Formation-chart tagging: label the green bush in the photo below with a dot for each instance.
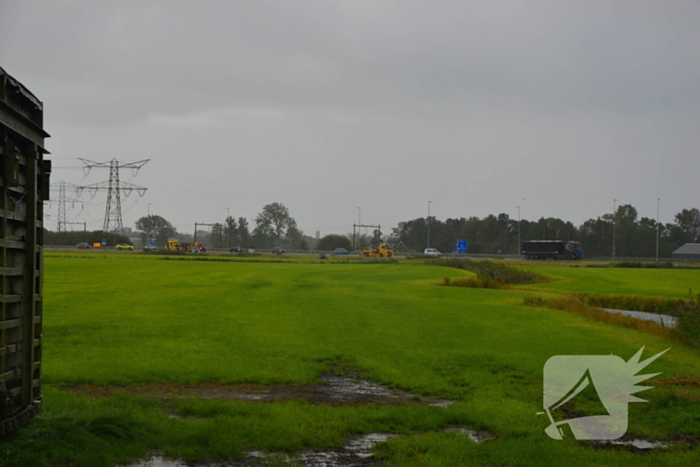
(688, 328)
(639, 264)
(491, 271)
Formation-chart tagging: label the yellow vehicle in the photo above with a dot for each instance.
(173, 245)
(193, 247)
(385, 249)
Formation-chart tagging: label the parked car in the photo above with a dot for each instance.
(235, 249)
(150, 248)
(340, 251)
(278, 251)
(84, 246)
(123, 246)
(432, 252)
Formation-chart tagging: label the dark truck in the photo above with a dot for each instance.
(551, 249)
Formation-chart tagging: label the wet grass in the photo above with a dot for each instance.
(119, 320)
(666, 283)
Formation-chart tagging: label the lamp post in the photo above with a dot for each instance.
(429, 202)
(658, 201)
(613, 220)
(359, 223)
(228, 228)
(148, 238)
(518, 246)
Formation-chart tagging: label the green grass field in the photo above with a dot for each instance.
(672, 283)
(119, 320)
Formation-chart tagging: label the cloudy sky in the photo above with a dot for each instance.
(327, 106)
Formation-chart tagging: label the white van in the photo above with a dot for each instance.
(432, 252)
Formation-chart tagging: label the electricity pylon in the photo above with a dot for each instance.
(113, 209)
(62, 203)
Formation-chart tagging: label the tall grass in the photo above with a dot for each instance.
(688, 329)
(490, 274)
(631, 302)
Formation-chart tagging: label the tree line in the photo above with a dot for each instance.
(274, 226)
(634, 237)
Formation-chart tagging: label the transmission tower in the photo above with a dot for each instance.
(62, 199)
(114, 188)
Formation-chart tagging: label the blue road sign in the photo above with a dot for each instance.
(461, 246)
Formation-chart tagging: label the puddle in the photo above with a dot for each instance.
(642, 443)
(348, 390)
(666, 320)
(157, 461)
(477, 436)
(331, 389)
(633, 444)
(356, 452)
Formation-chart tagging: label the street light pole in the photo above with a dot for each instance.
(658, 201)
(148, 238)
(613, 220)
(518, 246)
(428, 224)
(228, 228)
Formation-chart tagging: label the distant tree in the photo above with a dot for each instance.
(272, 223)
(243, 235)
(216, 237)
(230, 232)
(333, 241)
(293, 237)
(626, 214)
(596, 235)
(376, 237)
(687, 226)
(155, 229)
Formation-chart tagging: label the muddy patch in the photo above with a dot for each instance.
(356, 452)
(331, 389)
(683, 380)
(641, 445)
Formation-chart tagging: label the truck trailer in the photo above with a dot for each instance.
(551, 249)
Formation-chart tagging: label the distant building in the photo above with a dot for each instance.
(688, 251)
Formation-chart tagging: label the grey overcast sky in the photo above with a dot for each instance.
(326, 106)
